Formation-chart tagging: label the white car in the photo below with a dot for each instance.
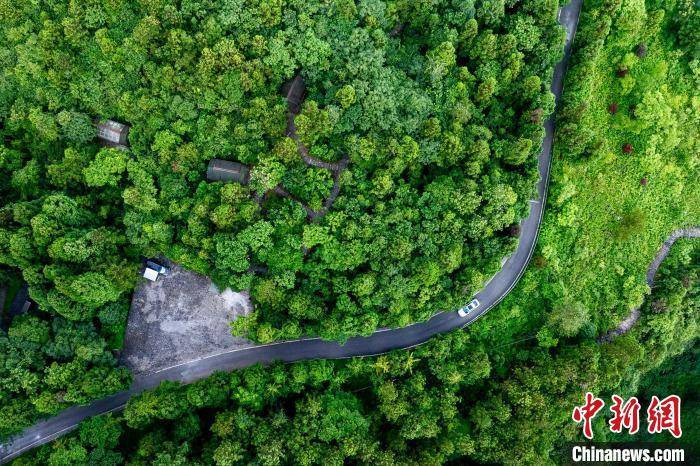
(463, 312)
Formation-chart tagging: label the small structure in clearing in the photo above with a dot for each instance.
(21, 302)
(113, 134)
(181, 319)
(224, 170)
(294, 91)
(154, 270)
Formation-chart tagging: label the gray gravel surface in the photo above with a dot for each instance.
(179, 318)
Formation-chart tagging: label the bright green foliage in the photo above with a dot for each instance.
(513, 378)
(567, 318)
(610, 210)
(106, 168)
(430, 103)
(458, 397)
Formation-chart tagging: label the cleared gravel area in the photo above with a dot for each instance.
(180, 318)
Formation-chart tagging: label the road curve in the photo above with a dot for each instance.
(631, 319)
(379, 342)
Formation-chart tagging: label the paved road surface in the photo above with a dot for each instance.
(631, 319)
(381, 341)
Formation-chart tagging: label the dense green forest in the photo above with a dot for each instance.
(461, 395)
(513, 377)
(437, 106)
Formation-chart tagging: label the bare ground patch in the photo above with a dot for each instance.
(180, 318)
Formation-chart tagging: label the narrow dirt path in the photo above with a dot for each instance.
(304, 151)
(295, 97)
(633, 317)
(280, 191)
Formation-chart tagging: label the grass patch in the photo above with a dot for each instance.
(625, 170)
(610, 210)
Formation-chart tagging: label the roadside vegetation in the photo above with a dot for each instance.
(438, 108)
(462, 395)
(513, 377)
(627, 159)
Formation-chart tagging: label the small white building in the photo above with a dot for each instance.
(154, 270)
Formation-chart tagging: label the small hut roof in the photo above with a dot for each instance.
(294, 91)
(113, 133)
(224, 170)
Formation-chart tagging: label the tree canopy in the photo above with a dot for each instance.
(430, 103)
(459, 397)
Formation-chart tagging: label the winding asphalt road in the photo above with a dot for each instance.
(379, 342)
(631, 319)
